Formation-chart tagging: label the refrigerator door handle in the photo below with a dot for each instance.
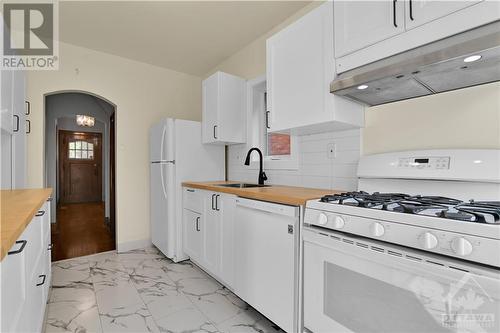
(163, 181)
(158, 162)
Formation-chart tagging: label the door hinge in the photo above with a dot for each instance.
(290, 229)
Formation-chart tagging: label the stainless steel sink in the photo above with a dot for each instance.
(243, 185)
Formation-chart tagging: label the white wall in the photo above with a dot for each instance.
(315, 170)
(142, 94)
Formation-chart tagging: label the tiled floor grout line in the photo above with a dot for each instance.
(95, 295)
(142, 298)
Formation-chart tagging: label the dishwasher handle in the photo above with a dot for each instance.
(270, 207)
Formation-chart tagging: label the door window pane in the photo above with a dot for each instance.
(81, 150)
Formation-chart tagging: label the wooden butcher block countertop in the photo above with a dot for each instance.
(18, 207)
(288, 195)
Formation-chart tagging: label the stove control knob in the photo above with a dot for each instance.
(377, 229)
(338, 222)
(461, 246)
(322, 219)
(428, 241)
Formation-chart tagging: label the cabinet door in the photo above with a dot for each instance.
(297, 75)
(359, 24)
(211, 233)
(6, 160)
(35, 305)
(13, 286)
(232, 109)
(210, 107)
(193, 226)
(419, 12)
(6, 100)
(19, 131)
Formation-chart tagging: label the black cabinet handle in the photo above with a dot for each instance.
(197, 224)
(17, 124)
(28, 122)
(394, 13)
(190, 190)
(28, 108)
(215, 128)
(217, 202)
(23, 244)
(213, 206)
(43, 276)
(411, 10)
(40, 213)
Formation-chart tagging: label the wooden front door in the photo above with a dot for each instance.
(80, 167)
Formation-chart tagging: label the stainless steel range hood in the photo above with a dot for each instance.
(426, 70)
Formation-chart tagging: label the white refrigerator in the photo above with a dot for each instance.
(177, 155)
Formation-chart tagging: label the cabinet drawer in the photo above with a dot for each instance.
(193, 200)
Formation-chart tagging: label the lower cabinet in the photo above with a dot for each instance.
(250, 246)
(208, 232)
(25, 277)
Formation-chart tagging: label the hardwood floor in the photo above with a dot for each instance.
(80, 230)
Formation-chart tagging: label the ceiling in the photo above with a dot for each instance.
(186, 36)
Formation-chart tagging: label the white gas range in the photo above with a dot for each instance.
(417, 249)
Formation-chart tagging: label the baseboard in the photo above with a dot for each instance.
(132, 245)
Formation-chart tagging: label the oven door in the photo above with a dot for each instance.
(359, 285)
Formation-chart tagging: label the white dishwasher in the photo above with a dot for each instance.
(266, 259)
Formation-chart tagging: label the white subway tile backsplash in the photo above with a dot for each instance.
(317, 168)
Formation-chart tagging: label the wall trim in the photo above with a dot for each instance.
(133, 245)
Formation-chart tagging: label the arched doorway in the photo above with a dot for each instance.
(80, 167)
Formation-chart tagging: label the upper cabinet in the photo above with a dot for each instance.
(419, 12)
(300, 67)
(366, 31)
(224, 109)
(362, 23)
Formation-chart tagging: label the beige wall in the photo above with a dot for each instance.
(250, 61)
(142, 94)
(465, 118)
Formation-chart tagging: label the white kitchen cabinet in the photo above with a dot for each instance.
(223, 109)
(367, 31)
(193, 234)
(19, 130)
(218, 242)
(208, 232)
(362, 23)
(13, 133)
(6, 101)
(300, 67)
(265, 252)
(419, 12)
(25, 277)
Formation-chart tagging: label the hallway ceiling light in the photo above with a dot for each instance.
(83, 120)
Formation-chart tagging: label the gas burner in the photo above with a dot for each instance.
(413, 206)
(448, 208)
(437, 200)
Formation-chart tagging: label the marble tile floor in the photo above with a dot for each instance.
(143, 291)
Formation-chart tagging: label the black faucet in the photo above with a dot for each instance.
(262, 174)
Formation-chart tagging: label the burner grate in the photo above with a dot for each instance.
(444, 207)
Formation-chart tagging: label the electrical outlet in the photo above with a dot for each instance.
(331, 150)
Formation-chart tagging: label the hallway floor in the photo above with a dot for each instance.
(80, 231)
(143, 291)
